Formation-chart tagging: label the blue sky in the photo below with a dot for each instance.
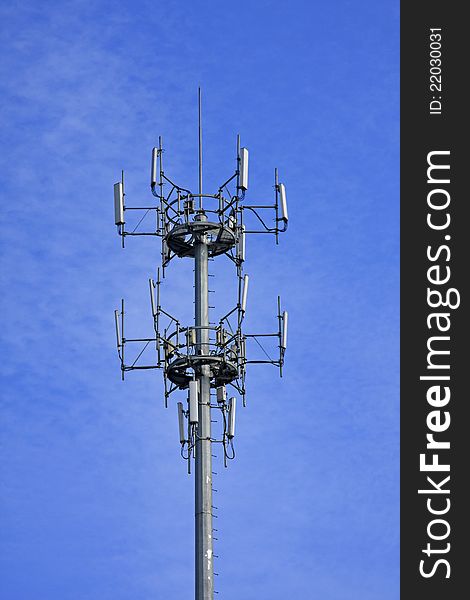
(96, 503)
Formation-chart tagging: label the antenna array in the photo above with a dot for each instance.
(202, 356)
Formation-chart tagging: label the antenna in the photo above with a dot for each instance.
(153, 171)
(152, 297)
(193, 402)
(243, 169)
(232, 405)
(202, 358)
(282, 193)
(181, 422)
(119, 203)
(245, 293)
(284, 330)
(118, 333)
(241, 244)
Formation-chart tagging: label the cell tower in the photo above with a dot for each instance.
(206, 358)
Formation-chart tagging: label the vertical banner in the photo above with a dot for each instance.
(435, 474)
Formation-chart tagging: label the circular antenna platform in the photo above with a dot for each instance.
(222, 370)
(181, 239)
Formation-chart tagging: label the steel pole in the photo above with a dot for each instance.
(203, 471)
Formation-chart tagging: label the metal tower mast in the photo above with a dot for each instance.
(204, 356)
(203, 450)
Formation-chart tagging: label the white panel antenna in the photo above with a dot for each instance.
(232, 405)
(244, 293)
(284, 330)
(243, 180)
(241, 244)
(193, 402)
(152, 297)
(181, 422)
(153, 172)
(118, 203)
(118, 333)
(282, 193)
